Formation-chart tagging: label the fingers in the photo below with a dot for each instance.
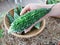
(26, 9)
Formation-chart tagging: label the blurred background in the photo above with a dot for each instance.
(5, 5)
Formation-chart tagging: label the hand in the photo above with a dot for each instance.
(55, 12)
(33, 6)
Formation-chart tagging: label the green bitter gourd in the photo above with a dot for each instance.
(26, 20)
(9, 16)
(17, 11)
(16, 15)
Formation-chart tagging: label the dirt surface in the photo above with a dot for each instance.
(50, 35)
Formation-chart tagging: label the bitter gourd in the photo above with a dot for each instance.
(9, 16)
(16, 15)
(17, 11)
(26, 20)
(19, 8)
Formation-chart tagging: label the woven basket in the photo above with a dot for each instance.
(32, 33)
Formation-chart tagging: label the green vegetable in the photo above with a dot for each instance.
(1, 33)
(19, 8)
(16, 15)
(26, 20)
(17, 11)
(11, 19)
(52, 1)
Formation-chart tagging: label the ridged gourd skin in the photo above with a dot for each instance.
(26, 20)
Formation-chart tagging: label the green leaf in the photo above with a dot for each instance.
(1, 33)
(37, 25)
